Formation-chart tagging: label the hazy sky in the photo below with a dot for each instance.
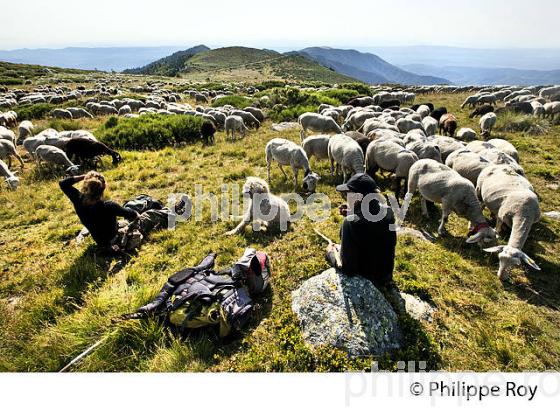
(280, 23)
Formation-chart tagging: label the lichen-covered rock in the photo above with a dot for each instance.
(417, 308)
(285, 126)
(346, 312)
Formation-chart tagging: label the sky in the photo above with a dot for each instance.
(280, 23)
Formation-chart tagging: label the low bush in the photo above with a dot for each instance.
(290, 113)
(342, 95)
(511, 122)
(237, 101)
(150, 131)
(34, 111)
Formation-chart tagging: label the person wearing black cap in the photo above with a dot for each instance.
(367, 243)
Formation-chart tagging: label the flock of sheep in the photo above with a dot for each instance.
(368, 134)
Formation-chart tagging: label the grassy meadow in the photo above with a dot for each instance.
(57, 298)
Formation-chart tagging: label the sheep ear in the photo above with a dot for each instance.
(529, 261)
(494, 249)
(475, 238)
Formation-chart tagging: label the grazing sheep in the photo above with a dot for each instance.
(425, 149)
(467, 163)
(430, 125)
(471, 101)
(207, 131)
(424, 111)
(235, 123)
(286, 152)
(548, 92)
(506, 147)
(61, 113)
(373, 124)
(31, 143)
(487, 122)
(263, 204)
(466, 134)
(56, 156)
(512, 200)
(499, 157)
(124, 110)
(347, 153)
(7, 134)
(248, 119)
(487, 99)
(9, 176)
(389, 156)
(257, 113)
(480, 111)
(317, 123)
(78, 112)
(25, 129)
(538, 109)
(8, 150)
(316, 146)
(447, 145)
(439, 183)
(406, 124)
(551, 109)
(8, 119)
(357, 119)
(82, 149)
(448, 124)
(438, 113)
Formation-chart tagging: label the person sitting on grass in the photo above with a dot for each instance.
(96, 214)
(367, 243)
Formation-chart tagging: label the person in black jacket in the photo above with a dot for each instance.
(97, 215)
(367, 243)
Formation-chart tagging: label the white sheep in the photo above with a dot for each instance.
(266, 210)
(423, 111)
(499, 157)
(387, 155)
(512, 200)
(487, 122)
(8, 150)
(430, 125)
(447, 145)
(551, 109)
(467, 163)
(25, 129)
(406, 124)
(235, 123)
(347, 153)
(316, 146)
(439, 183)
(56, 156)
(466, 134)
(10, 176)
(425, 149)
(506, 147)
(286, 152)
(31, 143)
(317, 123)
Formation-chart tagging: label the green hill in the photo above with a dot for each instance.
(240, 64)
(12, 74)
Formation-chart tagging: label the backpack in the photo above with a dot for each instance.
(199, 296)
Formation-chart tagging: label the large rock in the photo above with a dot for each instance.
(346, 312)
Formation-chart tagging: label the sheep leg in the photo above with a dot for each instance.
(283, 172)
(445, 211)
(332, 167)
(20, 160)
(295, 171)
(424, 207)
(268, 170)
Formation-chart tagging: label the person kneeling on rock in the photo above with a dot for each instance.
(367, 245)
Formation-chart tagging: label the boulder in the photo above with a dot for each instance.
(285, 126)
(346, 312)
(416, 307)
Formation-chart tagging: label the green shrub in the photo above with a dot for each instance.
(237, 101)
(340, 94)
(511, 122)
(150, 131)
(111, 122)
(34, 112)
(65, 125)
(10, 81)
(361, 88)
(291, 113)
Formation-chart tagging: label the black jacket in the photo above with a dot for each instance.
(367, 248)
(100, 218)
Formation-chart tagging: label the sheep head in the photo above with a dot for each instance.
(73, 170)
(255, 185)
(482, 234)
(13, 182)
(510, 257)
(310, 182)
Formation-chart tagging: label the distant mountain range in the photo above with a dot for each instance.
(368, 67)
(406, 65)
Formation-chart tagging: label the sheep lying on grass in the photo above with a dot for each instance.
(286, 152)
(511, 199)
(439, 183)
(266, 211)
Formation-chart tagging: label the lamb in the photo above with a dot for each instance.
(82, 149)
(9, 176)
(317, 123)
(512, 200)
(447, 145)
(466, 134)
(448, 124)
(7, 134)
(347, 153)
(467, 163)
(25, 130)
(480, 111)
(56, 156)
(487, 122)
(430, 125)
(235, 123)
(439, 183)
(316, 146)
(389, 156)
(8, 150)
(286, 152)
(266, 210)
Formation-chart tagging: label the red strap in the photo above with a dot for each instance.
(477, 228)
